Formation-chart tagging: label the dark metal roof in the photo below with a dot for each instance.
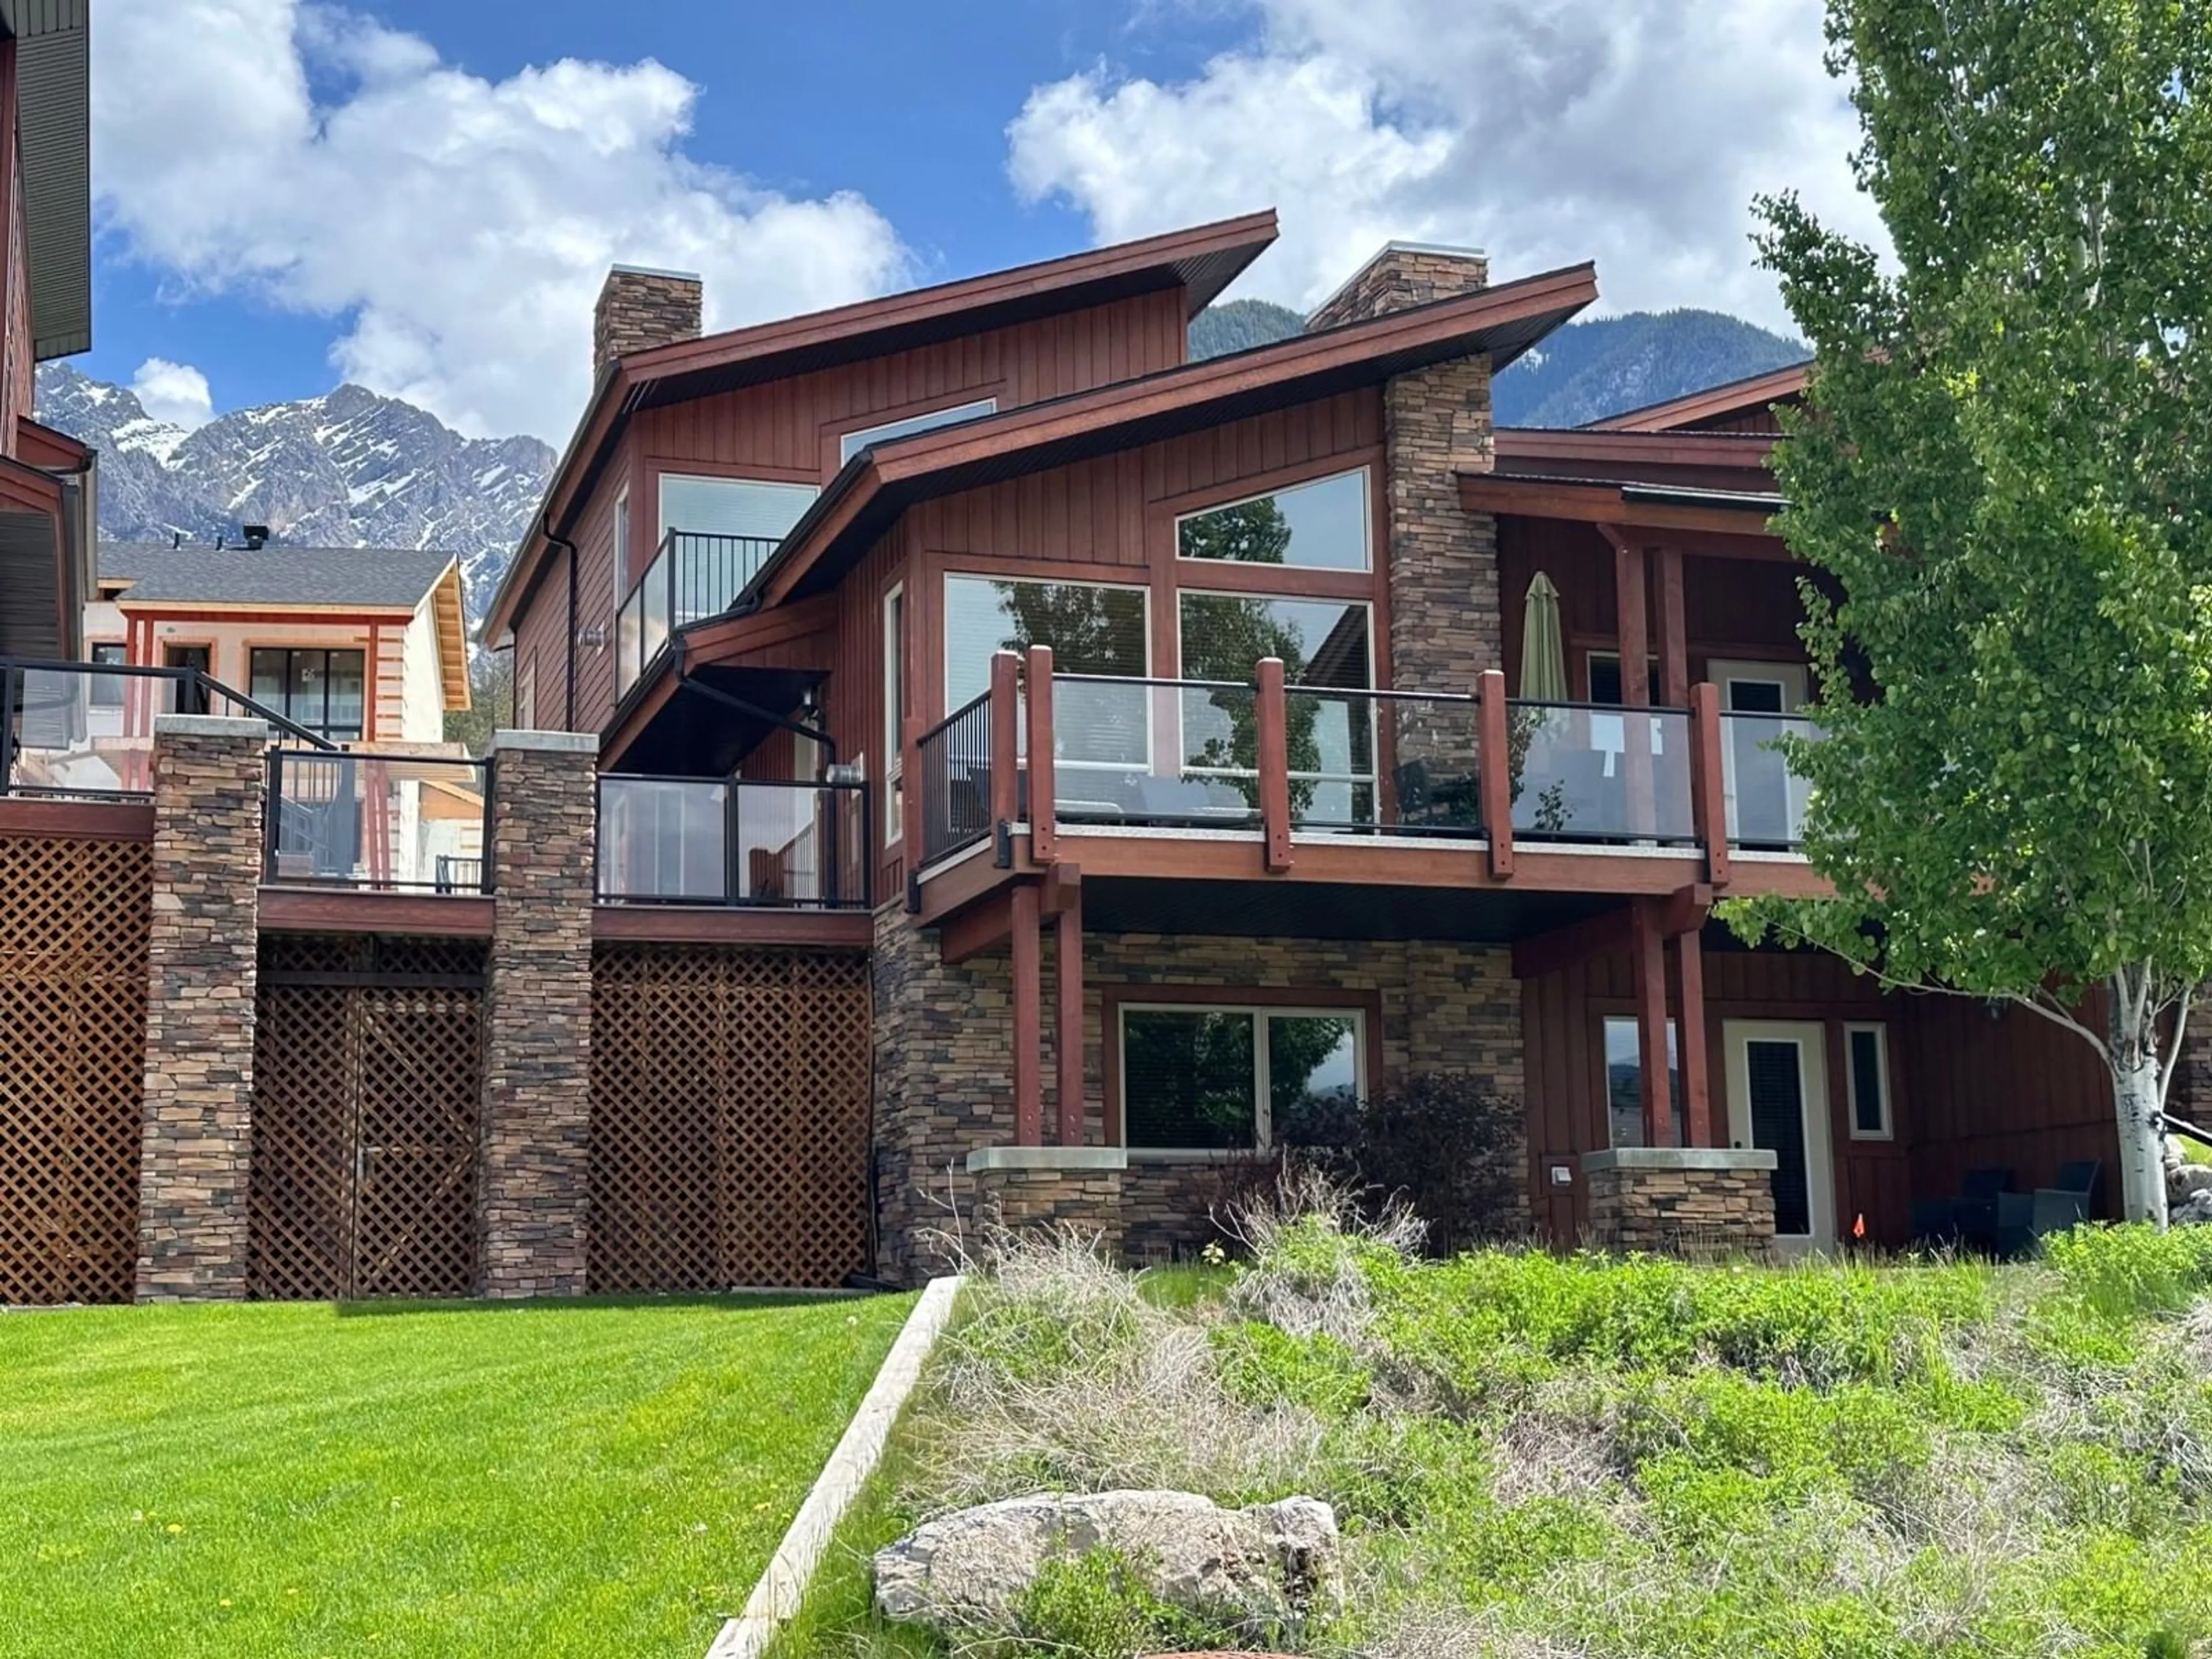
(53, 116)
(382, 578)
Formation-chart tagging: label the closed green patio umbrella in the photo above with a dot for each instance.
(1543, 647)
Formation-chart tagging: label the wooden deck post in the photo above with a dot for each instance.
(1271, 715)
(1708, 784)
(1674, 632)
(1005, 740)
(1689, 1035)
(1044, 829)
(1628, 579)
(1648, 957)
(1067, 951)
(1496, 764)
(1028, 1017)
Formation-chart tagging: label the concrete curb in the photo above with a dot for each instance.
(776, 1597)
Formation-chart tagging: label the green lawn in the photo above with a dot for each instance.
(545, 1479)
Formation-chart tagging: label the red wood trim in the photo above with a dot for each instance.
(1044, 839)
(152, 611)
(1635, 623)
(729, 640)
(43, 447)
(77, 820)
(372, 678)
(1497, 781)
(945, 892)
(440, 916)
(910, 791)
(978, 929)
(1707, 789)
(1674, 631)
(1754, 393)
(837, 929)
(1006, 741)
(1686, 909)
(1029, 1017)
(1696, 1090)
(1744, 529)
(1067, 953)
(1748, 451)
(1271, 719)
(1647, 957)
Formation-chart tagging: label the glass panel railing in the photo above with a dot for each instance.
(1767, 801)
(741, 841)
(1401, 762)
(397, 821)
(653, 607)
(1179, 753)
(85, 730)
(630, 642)
(1584, 772)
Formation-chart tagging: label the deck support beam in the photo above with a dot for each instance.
(1647, 960)
(1067, 961)
(1028, 1017)
(1689, 955)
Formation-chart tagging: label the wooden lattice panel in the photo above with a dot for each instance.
(730, 1093)
(74, 916)
(368, 1059)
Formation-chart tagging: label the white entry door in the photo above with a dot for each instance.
(1765, 799)
(1778, 1100)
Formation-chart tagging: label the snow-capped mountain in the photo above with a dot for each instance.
(348, 469)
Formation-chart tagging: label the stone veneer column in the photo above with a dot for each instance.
(1023, 1188)
(210, 781)
(532, 1184)
(639, 308)
(1682, 1201)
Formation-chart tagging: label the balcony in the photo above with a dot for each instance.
(1228, 781)
(378, 823)
(735, 843)
(693, 577)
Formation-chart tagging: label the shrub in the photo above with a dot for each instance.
(1096, 1604)
(2130, 1271)
(1438, 1145)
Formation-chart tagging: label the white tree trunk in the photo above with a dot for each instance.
(2140, 1100)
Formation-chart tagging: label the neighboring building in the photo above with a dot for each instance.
(47, 488)
(366, 646)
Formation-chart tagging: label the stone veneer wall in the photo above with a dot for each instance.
(201, 972)
(943, 1086)
(639, 310)
(1085, 1201)
(534, 1171)
(1678, 1202)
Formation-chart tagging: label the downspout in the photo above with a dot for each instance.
(568, 702)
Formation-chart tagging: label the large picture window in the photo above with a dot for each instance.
(322, 690)
(1205, 1078)
(1092, 629)
(1321, 526)
(1624, 1083)
(854, 442)
(1328, 662)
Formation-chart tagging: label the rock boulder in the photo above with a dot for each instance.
(968, 1572)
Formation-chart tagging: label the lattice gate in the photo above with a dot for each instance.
(730, 1094)
(368, 1067)
(75, 915)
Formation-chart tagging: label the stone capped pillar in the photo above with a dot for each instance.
(209, 782)
(1447, 624)
(1682, 1201)
(1024, 1188)
(532, 1184)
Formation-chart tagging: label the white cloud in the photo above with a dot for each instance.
(174, 392)
(1547, 131)
(458, 228)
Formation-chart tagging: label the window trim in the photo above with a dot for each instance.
(1880, 1029)
(1326, 1001)
(895, 673)
(984, 406)
(1366, 566)
(620, 533)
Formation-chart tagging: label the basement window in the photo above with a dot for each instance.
(1204, 1079)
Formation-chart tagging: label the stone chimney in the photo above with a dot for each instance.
(640, 309)
(1403, 274)
(1447, 624)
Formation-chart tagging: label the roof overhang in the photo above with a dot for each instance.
(1754, 391)
(450, 617)
(54, 119)
(132, 600)
(1739, 461)
(1661, 510)
(882, 482)
(1202, 261)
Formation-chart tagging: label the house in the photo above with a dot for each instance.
(1203, 753)
(46, 479)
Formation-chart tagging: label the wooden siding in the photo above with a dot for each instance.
(787, 431)
(1966, 1090)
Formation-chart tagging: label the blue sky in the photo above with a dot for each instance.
(421, 194)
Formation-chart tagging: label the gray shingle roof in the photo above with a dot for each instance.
(379, 576)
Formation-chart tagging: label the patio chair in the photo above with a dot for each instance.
(2025, 1218)
(1970, 1218)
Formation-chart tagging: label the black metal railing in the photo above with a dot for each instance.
(694, 576)
(752, 842)
(954, 757)
(85, 731)
(382, 822)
